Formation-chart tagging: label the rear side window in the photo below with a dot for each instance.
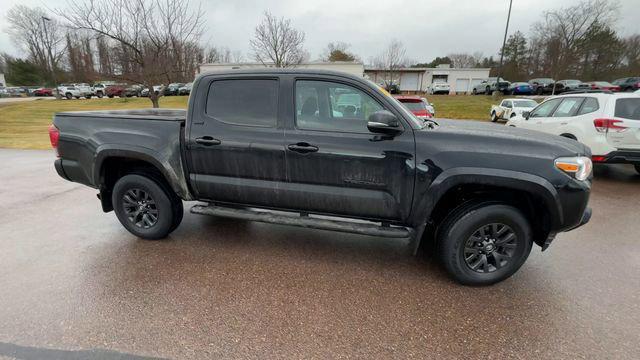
(590, 105)
(628, 108)
(568, 107)
(248, 102)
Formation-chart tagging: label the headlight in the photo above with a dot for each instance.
(579, 167)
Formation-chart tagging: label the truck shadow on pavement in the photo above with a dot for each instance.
(36, 353)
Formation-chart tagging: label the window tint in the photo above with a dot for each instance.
(628, 108)
(323, 105)
(568, 107)
(545, 109)
(590, 105)
(244, 102)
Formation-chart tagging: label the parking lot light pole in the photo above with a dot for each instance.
(504, 42)
(50, 57)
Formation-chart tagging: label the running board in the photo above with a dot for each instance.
(303, 221)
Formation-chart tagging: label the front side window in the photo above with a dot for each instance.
(329, 106)
(545, 109)
(248, 102)
(568, 107)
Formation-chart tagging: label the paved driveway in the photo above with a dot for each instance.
(75, 284)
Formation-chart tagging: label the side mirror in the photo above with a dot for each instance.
(383, 122)
(525, 114)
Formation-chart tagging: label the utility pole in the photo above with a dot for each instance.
(50, 56)
(504, 42)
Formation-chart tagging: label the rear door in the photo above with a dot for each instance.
(334, 164)
(235, 141)
(627, 111)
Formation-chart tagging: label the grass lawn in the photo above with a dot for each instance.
(23, 125)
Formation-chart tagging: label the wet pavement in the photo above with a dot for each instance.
(75, 284)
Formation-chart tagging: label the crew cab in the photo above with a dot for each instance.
(608, 123)
(509, 108)
(329, 150)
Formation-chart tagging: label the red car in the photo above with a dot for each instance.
(603, 85)
(114, 90)
(415, 104)
(43, 92)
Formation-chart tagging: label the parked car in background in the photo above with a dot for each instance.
(509, 108)
(628, 84)
(99, 89)
(542, 86)
(439, 88)
(603, 85)
(186, 89)
(115, 90)
(483, 195)
(520, 88)
(571, 85)
(172, 89)
(156, 88)
(608, 123)
(490, 85)
(69, 91)
(132, 90)
(415, 104)
(85, 90)
(43, 92)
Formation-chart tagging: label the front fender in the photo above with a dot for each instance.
(448, 179)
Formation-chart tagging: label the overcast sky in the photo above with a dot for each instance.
(427, 28)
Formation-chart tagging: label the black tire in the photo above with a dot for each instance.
(145, 207)
(539, 91)
(494, 118)
(457, 241)
(68, 96)
(99, 94)
(637, 168)
(475, 92)
(512, 115)
(487, 90)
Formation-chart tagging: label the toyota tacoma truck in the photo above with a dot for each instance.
(281, 146)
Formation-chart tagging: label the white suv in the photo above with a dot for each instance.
(608, 123)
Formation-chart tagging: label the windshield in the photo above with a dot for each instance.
(525, 103)
(414, 105)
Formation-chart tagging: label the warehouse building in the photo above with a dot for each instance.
(419, 80)
(354, 68)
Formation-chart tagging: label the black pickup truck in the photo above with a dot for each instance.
(331, 151)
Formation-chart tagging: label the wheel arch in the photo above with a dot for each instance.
(533, 195)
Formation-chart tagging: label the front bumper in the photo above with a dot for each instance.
(586, 216)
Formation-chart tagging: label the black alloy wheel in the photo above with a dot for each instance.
(490, 248)
(140, 208)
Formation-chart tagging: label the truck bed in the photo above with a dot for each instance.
(133, 114)
(89, 138)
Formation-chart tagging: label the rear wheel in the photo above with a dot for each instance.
(68, 96)
(487, 90)
(145, 207)
(484, 243)
(99, 94)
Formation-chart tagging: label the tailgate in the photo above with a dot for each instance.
(627, 115)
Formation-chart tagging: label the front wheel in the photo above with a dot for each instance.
(494, 117)
(485, 243)
(145, 207)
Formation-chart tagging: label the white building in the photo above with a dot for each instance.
(418, 80)
(3, 82)
(353, 68)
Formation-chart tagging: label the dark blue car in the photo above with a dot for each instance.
(520, 88)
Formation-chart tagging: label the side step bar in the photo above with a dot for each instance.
(303, 221)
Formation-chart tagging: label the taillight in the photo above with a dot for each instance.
(606, 125)
(598, 158)
(54, 137)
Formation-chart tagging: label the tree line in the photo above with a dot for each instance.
(160, 41)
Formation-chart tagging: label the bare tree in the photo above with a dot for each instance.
(277, 42)
(465, 60)
(154, 40)
(391, 59)
(44, 43)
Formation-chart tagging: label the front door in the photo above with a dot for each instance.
(235, 142)
(335, 165)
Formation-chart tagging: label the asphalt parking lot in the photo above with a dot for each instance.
(75, 284)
